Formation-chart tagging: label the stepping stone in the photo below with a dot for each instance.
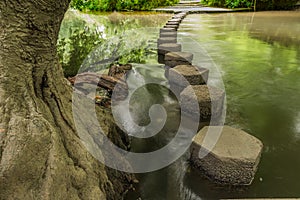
(168, 47)
(163, 49)
(185, 75)
(168, 34)
(182, 76)
(163, 30)
(175, 20)
(181, 14)
(173, 23)
(177, 14)
(173, 59)
(179, 18)
(232, 161)
(171, 26)
(209, 99)
(164, 40)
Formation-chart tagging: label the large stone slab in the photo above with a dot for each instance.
(209, 99)
(173, 23)
(234, 158)
(173, 59)
(182, 14)
(175, 20)
(172, 26)
(182, 76)
(163, 49)
(168, 34)
(163, 30)
(164, 40)
(185, 75)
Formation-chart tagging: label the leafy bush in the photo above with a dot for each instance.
(238, 3)
(82, 46)
(275, 4)
(219, 3)
(260, 4)
(119, 5)
(73, 50)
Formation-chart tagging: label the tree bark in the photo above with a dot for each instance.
(41, 156)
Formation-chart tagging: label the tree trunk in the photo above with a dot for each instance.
(41, 156)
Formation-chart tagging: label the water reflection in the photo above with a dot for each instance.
(259, 55)
(261, 74)
(112, 37)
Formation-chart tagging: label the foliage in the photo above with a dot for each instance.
(276, 4)
(120, 49)
(81, 46)
(238, 3)
(219, 3)
(73, 50)
(119, 5)
(134, 55)
(229, 3)
(260, 4)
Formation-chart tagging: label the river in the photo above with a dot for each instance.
(258, 58)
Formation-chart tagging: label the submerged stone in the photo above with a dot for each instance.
(233, 160)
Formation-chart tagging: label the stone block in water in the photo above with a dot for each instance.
(163, 30)
(209, 99)
(175, 20)
(178, 18)
(171, 26)
(164, 40)
(173, 59)
(182, 76)
(185, 75)
(183, 15)
(163, 49)
(232, 161)
(168, 34)
(173, 23)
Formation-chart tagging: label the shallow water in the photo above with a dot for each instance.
(258, 56)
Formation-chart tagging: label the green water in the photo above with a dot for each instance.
(258, 56)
